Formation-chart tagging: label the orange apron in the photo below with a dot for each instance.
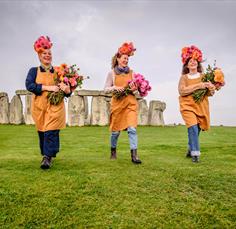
(195, 113)
(47, 116)
(124, 112)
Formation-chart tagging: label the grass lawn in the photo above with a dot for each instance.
(85, 189)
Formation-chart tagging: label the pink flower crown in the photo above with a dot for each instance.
(42, 43)
(191, 52)
(127, 49)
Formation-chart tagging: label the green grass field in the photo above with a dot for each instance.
(85, 189)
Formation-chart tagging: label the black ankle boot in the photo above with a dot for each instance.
(188, 154)
(46, 162)
(113, 154)
(134, 156)
(195, 159)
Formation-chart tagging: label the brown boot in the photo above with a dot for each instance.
(113, 154)
(134, 156)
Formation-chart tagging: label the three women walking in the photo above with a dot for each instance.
(50, 118)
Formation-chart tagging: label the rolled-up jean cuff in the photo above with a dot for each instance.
(195, 153)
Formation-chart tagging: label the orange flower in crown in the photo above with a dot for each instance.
(42, 43)
(127, 48)
(64, 65)
(191, 52)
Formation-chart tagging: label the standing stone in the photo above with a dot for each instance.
(99, 111)
(16, 110)
(4, 108)
(142, 112)
(76, 111)
(27, 115)
(155, 116)
(86, 108)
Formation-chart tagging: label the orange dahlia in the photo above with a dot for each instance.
(218, 76)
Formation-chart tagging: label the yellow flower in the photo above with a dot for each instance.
(61, 78)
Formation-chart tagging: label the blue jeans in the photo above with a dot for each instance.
(193, 140)
(133, 139)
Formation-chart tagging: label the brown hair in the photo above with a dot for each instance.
(114, 61)
(185, 69)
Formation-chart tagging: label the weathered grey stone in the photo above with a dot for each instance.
(23, 92)
(3, 94)
(142, 112)
(27, 114)
(98, 93)
(4, 108)
(16, 110)
(155, 114)
(99, 111)
(86, 108)
(90, 93)
(107, 95)
(108, 99)
(76, 111)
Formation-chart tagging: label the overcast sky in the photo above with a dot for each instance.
(88, 33)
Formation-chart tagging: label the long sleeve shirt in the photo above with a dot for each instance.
(109, 84)
(30, 82)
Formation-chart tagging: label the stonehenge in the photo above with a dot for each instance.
(78, 107)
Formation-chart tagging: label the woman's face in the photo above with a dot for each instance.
(192, 64)
(123, 61)
(45, 57)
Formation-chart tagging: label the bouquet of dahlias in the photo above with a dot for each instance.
(142, 86)
(213, 75)
(68, 75)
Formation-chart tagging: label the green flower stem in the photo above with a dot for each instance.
(199, 94)
(121, 94)
(56, 98)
